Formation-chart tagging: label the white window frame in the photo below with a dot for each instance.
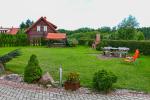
(45, 28)
(38, 28)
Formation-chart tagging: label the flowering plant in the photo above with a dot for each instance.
(73, 77)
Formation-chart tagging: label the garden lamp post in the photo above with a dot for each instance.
(60, 76)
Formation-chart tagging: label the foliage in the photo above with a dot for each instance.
(22, 25)
(7, 57)
(101, 45)
(143, 46)
(21, 31)
(87, 35)
(103, 81)
(73, 77)
(32, 72)
(129, 22)
(13, 40)
(127, 30)
(104, 29)
(80, 30)
(139, 36)
(85, 38)
(86, 41)
(146, 32)
(72, 42)
(26, 24)
(126, 33)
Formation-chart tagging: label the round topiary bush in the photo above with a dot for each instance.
(103, 81)
(32, 72)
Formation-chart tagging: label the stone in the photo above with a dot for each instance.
(13, 77)
(46, 79)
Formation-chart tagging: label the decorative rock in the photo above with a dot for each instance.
(46, 79)
(13, 77)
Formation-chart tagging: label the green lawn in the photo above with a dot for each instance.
(84, 61)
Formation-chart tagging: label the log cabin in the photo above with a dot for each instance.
(46, 30)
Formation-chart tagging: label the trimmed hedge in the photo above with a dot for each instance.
(87, 42)
(143, 46)
(7, 40)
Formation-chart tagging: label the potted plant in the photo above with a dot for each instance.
(72, 82)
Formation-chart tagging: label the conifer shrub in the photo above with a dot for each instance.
(103, 81)
(33, 71)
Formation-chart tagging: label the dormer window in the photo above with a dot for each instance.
(45, 28)
(38, 28)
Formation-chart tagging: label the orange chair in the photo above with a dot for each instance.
(132, 59)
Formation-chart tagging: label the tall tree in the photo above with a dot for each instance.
(126, 29)
(126, 33)
(26, 24)
(129, 22)
(22, 25)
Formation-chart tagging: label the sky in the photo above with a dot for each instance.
(73, 14)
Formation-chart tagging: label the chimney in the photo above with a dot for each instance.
(98, 37)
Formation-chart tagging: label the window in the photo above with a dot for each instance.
(38, 28)
(45, 28)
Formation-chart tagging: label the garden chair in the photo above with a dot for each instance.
(133, 58)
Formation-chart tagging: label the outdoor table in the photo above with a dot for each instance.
(123, 50)
(117, 52)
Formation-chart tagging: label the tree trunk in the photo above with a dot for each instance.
(2, 69)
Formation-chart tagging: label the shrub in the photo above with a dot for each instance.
(103, 81)
(143, 46)
(72, 42)
(32, 72)
(102, 44)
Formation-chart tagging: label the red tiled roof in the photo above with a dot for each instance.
(56, 36)
(47, 22)
(13, 31)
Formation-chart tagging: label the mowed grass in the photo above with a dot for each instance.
(84, 61)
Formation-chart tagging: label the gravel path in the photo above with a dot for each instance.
(21, 91)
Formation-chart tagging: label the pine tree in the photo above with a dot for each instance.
(32, 72)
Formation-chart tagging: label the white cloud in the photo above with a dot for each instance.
(72, 14)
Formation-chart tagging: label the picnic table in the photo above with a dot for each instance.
(115, 52)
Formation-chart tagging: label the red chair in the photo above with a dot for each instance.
(133, 58)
